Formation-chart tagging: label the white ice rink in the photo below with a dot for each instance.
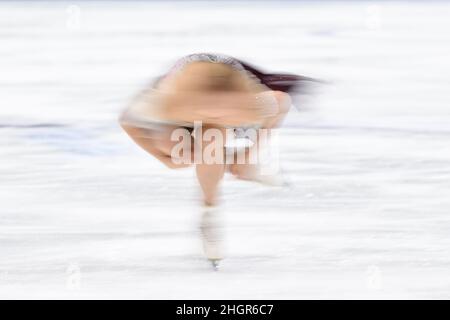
(84, 213)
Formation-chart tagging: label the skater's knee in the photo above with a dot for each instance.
(130, 130)
(284, 101)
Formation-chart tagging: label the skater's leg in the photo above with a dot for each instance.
(284, 104)
(249, 171)
(244, 171)
(157, 144)
(210, 175)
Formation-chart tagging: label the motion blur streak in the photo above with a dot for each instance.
(86, 214)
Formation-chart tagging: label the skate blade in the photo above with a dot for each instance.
(215, 264)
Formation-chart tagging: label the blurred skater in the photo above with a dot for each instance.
(228, 98)
(218, 91)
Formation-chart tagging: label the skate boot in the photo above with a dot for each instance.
(212, 234)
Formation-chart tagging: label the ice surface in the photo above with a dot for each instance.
(84, 213)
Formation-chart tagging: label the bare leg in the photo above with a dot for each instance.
(209, 177)
(245, 171)
(284, 104)
(157, 144)
(248, 171)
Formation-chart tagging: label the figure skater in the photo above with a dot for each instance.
(221, 93)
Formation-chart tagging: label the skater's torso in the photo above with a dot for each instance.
(194, 78)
